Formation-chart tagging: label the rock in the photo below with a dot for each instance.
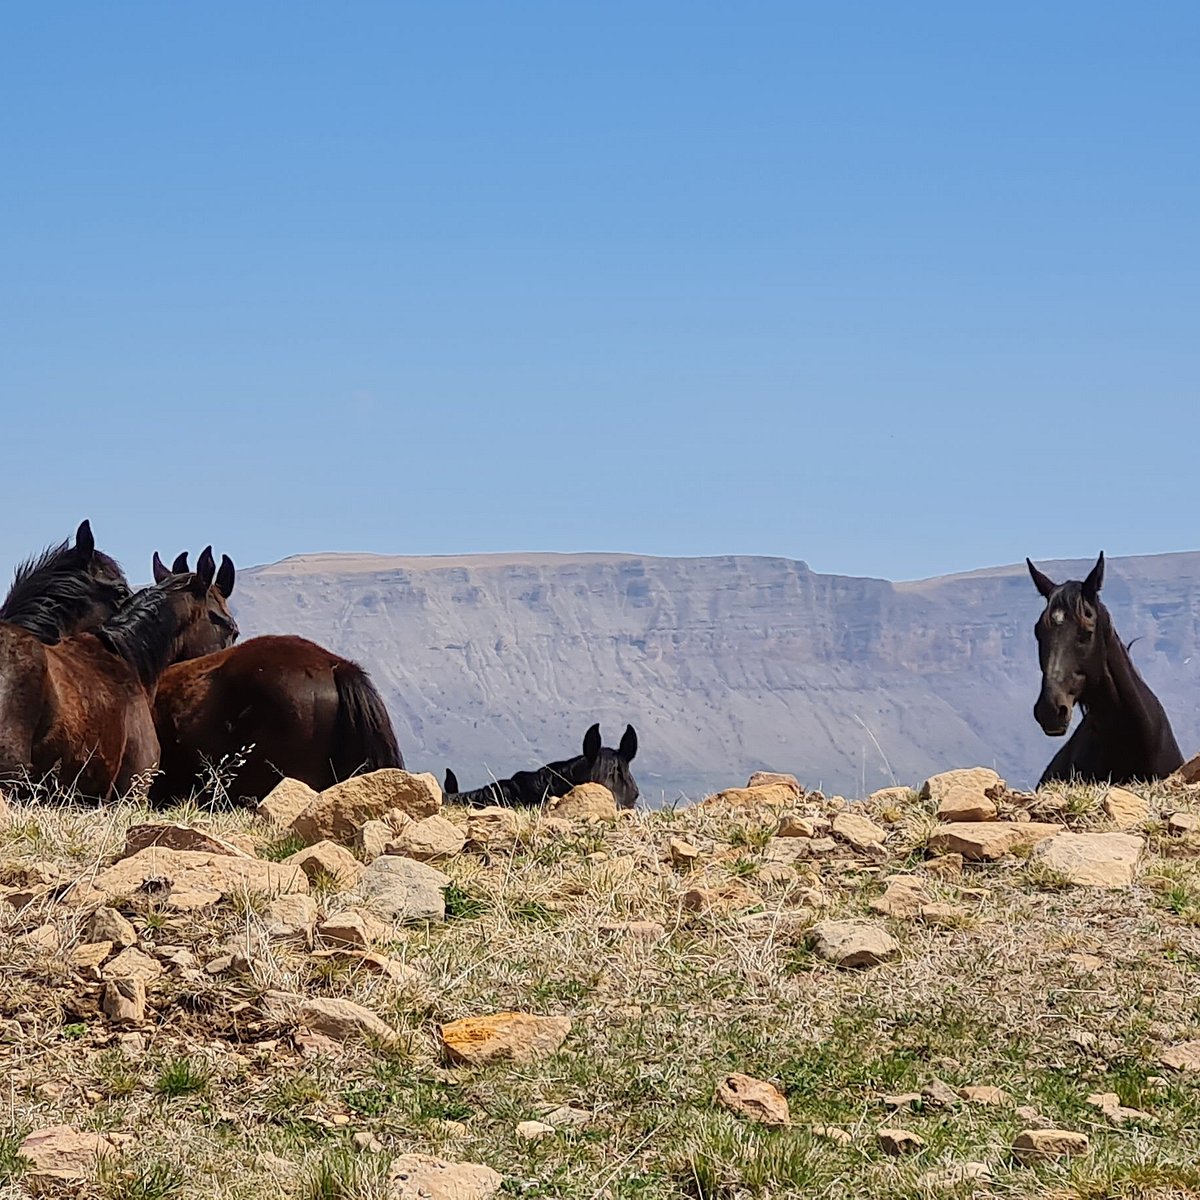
(649, 931)
(1102, 860)
(328, 862)
(493, 828)
(64, 1155)
(1125, 808)
(531, 1131)
(939, 1095)
(787, 851)
(984, 1094)
(131, 963)
(339, 812)
(587, 802)
(948, 866)
(903, 898)
(899, 1141)
(402, 889)
(772, 795)
(430, 839)
(45, 937)
(793, 825)
(1086, 962)
(166, 874)
(177, 837)
(374, 963)
(857, 831)
(831, 1133)
(988, 841)
(1038, 1145)
(1188, 773)
(776, 779)
(1182, 823)
(372, 839)
(682, 853)
(1109, 1103)
(346, 929)
(286, 801)
(974, 779)
(891, 797)
(107, 925)
(503, 1037)
(1184, 1057)
(944, 916)
(290, 917)
(754, 1099)
(901, 1100)
(343, 1020)
(420, 1177)
(125, 1001)
(88, 957)
(726, 897)
(965, 804)
(853, 943)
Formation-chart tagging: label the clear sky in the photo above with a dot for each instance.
(897, 289)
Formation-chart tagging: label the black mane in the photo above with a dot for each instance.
(51, 592)
(144, 631)
(530, 788)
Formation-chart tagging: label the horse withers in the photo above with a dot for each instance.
(597, 764)
(1125, 735)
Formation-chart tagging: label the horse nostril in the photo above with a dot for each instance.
(1063, 713)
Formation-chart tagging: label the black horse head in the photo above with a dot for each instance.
(1072, 645)
(611, 767)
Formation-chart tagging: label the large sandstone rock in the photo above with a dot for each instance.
(343, 1020)
(340, 811)
(420, 1177)
(107, 925)
(904, 898)
(330, 862)
(124, 1001)
(1038, 1145)
(492, 828)
(428, 840)
(974, 779)
(987, 841)
(725, 897)
(291, 917)
(61, 1154)
(1188, 773)
(771, 795)
(1125, 808)
(504, 1037)
(965, 804)
(165, 874)
(754, 1099)
(587, 802)
(1184, 1057)
(776, 779)
(853, 943)
(402, 889)
(286, 801)
(177, 837)
(1102, 860)
(858, 831)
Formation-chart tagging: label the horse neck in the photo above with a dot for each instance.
(146, 633)
(1120, 694)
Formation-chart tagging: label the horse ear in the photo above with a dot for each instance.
(225, 576)
(180, 565)
(1095, 580)
(206, 567)
(160, 569)
(85, 543)
(451, 787)
(1044, 584)
(628, 747)
(591, 744)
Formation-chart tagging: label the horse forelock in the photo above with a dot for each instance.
(1066, 602)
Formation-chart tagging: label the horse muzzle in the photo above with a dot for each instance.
(1053, 713)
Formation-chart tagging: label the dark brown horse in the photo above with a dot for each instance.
(80, 709)
(597, 764)
(268, 708)
(1124, 735)
(65, 590)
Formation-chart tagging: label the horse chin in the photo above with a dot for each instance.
(1055, 731)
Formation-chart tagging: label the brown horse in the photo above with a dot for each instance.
(268, 708)
(65, 590)
(80, 708)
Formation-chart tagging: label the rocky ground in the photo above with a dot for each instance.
(365, 995)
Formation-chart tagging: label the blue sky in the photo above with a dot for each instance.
(895, 289)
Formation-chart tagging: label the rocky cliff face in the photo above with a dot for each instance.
(494, 663)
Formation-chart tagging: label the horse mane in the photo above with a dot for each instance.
(144, 631)
(50, 592)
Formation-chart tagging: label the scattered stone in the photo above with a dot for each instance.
(899, 1141)
(430, 839)
(493, 828)
(974, 779)
(125, 1001)
(166, 875)
(1184, 1057)
(45, 937)
(346, 929)
(372, 839)
(61, 1154)
(965, 804)
(1183, 823)
(776, 779)
(131, 963)
(787, 851)
(1109, 1103)
(343, 1020)
(754, 1099)
(420, 1177)
(1038, 1145)
(1188, 773)
(939, 1095)
(903, 899)
(586, 802)
(988, 841)
(832, 1133)
(88, 957)
(772, 795)
(946, 1179)
(649, 931)
(944, 916)
(1125, 808)
(1101, 860)
(793, 825)
(503, 1037)
(367, 1143)
(890, 797)
(727, 897)
(107, 925)
(822, 845)
(947, 866)
(984, 1094)
(683, 853)
(402, 889)
(1085, 962)
(291, 917)
(901, 1100)
(339, 812)
(853, 943)
(857, 831)
(329, 862)
(377, 964)
(531, 1131)
(177, 837)
(286, 801)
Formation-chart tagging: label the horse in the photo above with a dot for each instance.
(81, 706)
(597, 764)
(267, 708)
(65, 590)
(1125, 735)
